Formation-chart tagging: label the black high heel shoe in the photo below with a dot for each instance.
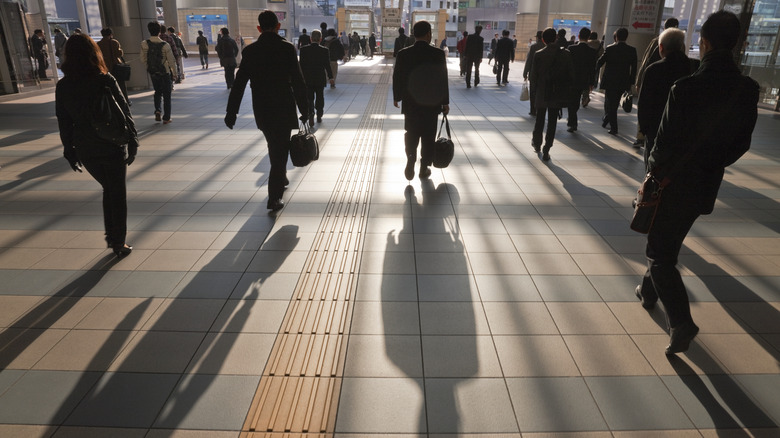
(122, 250)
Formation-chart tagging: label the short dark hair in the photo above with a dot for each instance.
(548, 36)
(671, 22)
(421, 28)
(401, 31)
(562, 32)
(224, 31)
(106, 32)
(538, 34)
(505, 33)
(154, 28)
(171, 29)
(331, 32)
(304, 30)
(584, 33)
(37, 31)
(200, 32)
(721, 30)
(621, 34)
(477, 29)
(267, 20)
(593, 36)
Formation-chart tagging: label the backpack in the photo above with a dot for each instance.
(107, 118)
(154, 58)
(558, 84)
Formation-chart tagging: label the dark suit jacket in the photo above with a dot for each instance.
(475, 46)
(658, 80)
(400, 43)
(505, 50)
(717, 108)
(277, 83)
(529, 60)
(545, 60)
(619, 61)
(583, 58)
(420, 79)
(315, 62)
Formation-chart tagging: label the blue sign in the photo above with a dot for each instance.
(209, 24)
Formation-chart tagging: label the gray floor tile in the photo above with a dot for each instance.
(158, 352)
(208, 402)
(206, 285)
(565, 288)
(265, 286)
(385, 318)
(560, 404)
(460, 357)
(381, 406)
(637, 403)
(37, 282)
(447, 288)
(386, 287)
(146, 284)
(384, 356)
(124, 400)
(447, 318)
(761, 389)
(469, 405)
(507, 288)
(44, 397)
(519, 319)
(535, 356)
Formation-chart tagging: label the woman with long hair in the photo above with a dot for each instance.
(85, 76)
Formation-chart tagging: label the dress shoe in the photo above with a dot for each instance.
(319, 119)
(537, 149)
(122, 250)
(165, 122)
(571, 129)
(681, 337)
(468, 85)
(647, 303)
(604, 123)
(546, 156)
(612, 132)
(425, 172)
(409, 171)
(311, 121)
(157, 116)
(275, 204)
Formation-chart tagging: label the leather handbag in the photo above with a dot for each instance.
(627, 101)
(444, 148)
(121, 72)
(648, 198)
(304, 147)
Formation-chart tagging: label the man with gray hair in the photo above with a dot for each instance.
(658, 80)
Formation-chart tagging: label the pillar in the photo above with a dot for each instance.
(53, 73)
(544, 14)
(599, 16)
(233, 18)
(692, 23)
(130, 35)
(617, 17)
(83, 21)
(171, 14)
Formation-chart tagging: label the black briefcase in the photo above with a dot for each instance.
(304, 147)
(443, 149)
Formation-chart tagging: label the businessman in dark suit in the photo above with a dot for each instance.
(504, 52)
(583, 58)
(420, 83)
(271, 64)
(315, 63)
(619, 62)
(475, 46)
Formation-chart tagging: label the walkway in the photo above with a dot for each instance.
(495, 299)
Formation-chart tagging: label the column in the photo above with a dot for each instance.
(692, 23)
(617, 17)
(544, 14)
(598, 17)
(82, 16)
(130, 35)
(171, 14)
(233, 18)
(53, 73)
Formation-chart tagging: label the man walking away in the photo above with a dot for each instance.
(227, 50)
(492, 53)
(554, 75)
(169, 39)
(203, 49)
(651, 55)
(420, 83)
(335, 52)
(158, 58)
(59, 44)
(270, 63)
(583, 59)
(659, 77)
(371, 45)
(461, 47)
(529, 61)
(400, 42)
(315, 63)
(505, 53)
(706, 126)
(38, 47)
(181, 50)
(304, 40)
(619, 61)
(475, 46)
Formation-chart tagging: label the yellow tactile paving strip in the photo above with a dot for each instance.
(299, 390)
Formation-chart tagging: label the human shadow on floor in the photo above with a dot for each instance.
(22, 137)
(26, 330)
(448, 361)
(172, 374)
(52, 167)
(726, 403)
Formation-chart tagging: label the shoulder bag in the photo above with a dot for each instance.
(443, 149)
(121, 70)
(304, 147)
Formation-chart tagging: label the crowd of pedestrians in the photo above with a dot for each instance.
(679, 101)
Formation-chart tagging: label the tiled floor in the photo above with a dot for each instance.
(495, 299)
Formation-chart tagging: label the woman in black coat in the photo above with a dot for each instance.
(85, 76)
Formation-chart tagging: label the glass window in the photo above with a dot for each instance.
(759, 56)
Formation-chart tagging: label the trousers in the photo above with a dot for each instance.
(420, 129)
(475, 63)
(162, 91)
(111, 173)
(503, 71)
(278, 150)
(552, 123)
(611, 104)
(316, 99)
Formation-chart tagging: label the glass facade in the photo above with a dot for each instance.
(759, 55)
